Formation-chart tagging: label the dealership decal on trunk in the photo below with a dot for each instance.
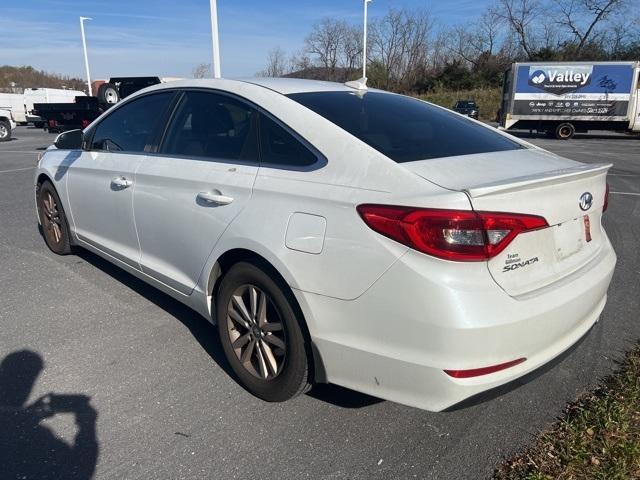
(513, 262)
(587, 228)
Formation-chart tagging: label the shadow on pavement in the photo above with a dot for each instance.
(206, 334)
(29, 449)
(342, 397)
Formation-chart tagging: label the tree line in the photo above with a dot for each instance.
(16, 79)
(408, 51)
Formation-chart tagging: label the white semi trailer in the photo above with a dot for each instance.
(562, 98)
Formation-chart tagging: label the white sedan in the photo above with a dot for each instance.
(333, 234)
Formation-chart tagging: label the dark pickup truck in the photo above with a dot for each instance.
(60, 117)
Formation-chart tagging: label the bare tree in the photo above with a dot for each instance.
(351, 49)
(202, 70)
(487, 32)
(277, 64)
(520, 15)
(472, 44)
(400, 46)
(325, 43)
(582, 17)
(300, 62)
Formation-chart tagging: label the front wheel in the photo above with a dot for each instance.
(5, 131)
(261, 333)
(55, 228)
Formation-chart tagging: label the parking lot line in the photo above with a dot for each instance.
(17, 170)
(627, 193)
(19, 151)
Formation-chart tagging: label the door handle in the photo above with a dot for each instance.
(214, 197)
(121, 182)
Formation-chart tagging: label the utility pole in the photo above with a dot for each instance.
(364, 42)
(361, 84)
(215, 39)
(86, 58)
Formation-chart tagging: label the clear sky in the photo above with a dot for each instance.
(170, 37)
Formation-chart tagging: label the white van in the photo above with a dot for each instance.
(46, 95)
(15, 103)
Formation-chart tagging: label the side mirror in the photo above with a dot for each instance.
(71, 140)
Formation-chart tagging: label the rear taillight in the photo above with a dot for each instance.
(53, 124)
(84, 123)
(459, 235)
(606, 199)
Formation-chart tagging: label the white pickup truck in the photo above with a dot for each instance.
(7, 124)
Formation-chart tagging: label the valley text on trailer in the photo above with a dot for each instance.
(561, 98)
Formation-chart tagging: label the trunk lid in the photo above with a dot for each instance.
(532, 182)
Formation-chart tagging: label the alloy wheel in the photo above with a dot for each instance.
(52, 221)
(3, 131)
(256, 331)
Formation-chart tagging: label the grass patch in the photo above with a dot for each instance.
(488, 99)
(598, 437)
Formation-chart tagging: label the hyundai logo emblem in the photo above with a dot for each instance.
(586, 199)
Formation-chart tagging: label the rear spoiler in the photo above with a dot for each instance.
(540, 179)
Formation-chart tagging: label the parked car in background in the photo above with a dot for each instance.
(467, 107)
(339, 235)
(7, 124)
(43, 96)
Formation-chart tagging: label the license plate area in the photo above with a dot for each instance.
(569, 237)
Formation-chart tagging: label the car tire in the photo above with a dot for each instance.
(5, 131)
(38, 124)
(261, 332)
(565, 131)
(53, 221)
(108, 94)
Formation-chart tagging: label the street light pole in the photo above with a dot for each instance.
(364, 42)
(215, 40)
(86, 58)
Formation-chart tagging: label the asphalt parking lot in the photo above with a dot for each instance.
(162, 404)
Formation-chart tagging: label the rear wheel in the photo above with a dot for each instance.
(5, 131)
(565, 131)
(260, 333)
(53, 220)
(38, 124)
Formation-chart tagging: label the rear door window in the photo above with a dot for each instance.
(403, 128)
(131, 127)
(213, 126)
(278, 147)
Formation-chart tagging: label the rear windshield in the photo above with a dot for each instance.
(403, 128)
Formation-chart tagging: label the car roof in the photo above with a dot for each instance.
(297, 85)
(284, 86)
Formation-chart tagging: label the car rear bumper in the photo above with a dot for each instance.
(396, 340)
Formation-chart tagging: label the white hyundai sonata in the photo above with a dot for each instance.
(342, 235)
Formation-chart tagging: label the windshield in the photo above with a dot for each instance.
(465, 105)
(403, 128)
